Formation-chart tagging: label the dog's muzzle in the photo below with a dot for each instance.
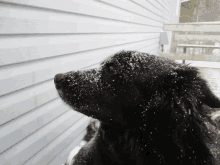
(58, 79)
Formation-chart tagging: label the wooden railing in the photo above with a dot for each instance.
(194, 41)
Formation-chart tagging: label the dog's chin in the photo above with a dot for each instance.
(60, 93)
(95, 112)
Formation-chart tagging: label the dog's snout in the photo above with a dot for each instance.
(58, 78)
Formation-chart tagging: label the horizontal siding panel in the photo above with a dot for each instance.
(62, 157)
(29, 123)
(149, 49)
(169, 15)
(40, 39)
(134, 8)
(61, 142)
(154, 52)
(46, 69)
(162, 10)
(22, 101)
(62, 27)
(17, 82)
(26, 20)
(170, 5)
(25, 48)
(21, 152)
(162, 5)
(156, 48)
(92, 66)
(85, 7)
(153, 9)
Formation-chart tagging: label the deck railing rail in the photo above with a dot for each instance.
(194, 41)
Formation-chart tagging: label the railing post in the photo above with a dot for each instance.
(173, 45)
(184, 51)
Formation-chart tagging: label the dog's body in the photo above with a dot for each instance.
(151, 111)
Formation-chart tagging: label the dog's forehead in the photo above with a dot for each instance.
(126, 57)
(132, 60)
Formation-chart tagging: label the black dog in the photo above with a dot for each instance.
(151, 110)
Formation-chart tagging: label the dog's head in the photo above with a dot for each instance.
(130, 84)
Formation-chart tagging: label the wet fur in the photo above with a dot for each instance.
(151, 111)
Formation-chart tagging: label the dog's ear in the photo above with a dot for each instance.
(194, 121)
(192, 94)
(190, 77)
(211, 105)
(209, 98)
(198, 121)
(212, 113)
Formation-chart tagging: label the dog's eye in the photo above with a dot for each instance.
(112, 70)
(117, 79)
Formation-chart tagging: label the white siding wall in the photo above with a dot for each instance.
(40, 38)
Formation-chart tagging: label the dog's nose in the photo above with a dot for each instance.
(58, 78)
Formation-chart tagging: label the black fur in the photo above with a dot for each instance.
(91, 129)
(151, 110)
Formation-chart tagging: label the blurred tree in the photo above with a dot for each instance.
(200, 11)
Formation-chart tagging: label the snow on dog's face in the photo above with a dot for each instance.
(100, 93)
(127, 85)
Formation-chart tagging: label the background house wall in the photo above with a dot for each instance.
(40, 38)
